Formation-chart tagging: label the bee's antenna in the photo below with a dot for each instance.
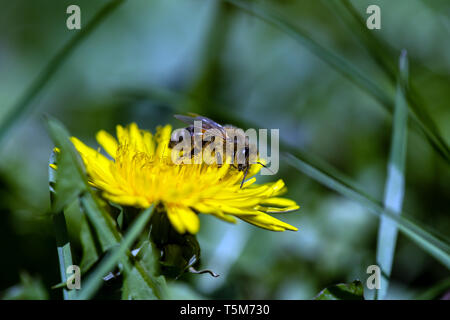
(245, 174)
(265, 166)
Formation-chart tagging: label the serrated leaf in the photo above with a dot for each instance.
(117, 254)
(182, 291)
(104, 227)
(134, 286)
(343, 291)
(72, 181)
(90, 252)
(62, 192)
(102, 222)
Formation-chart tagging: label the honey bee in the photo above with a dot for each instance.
(243, 152)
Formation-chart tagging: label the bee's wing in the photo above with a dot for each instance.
(206, 123)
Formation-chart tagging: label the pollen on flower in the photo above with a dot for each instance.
(140, 172)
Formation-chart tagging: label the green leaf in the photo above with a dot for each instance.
(134, 286)
(395, 182)
(66, 189)
(102, 222)
(90, 251)
(436, 247)
(349, 71)
(67, 183)
(182, 291)
(60, 227)
(102, 226)
(120, 216)
(343, 291)
(29, 288)
(116, 254)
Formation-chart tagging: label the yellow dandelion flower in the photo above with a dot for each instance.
(140, 173)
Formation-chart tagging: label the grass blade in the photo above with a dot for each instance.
(24, 103)
(436, 247)
(94, 281)
(349, 71)
(395, 182)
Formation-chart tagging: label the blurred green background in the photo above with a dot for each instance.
(148, 56)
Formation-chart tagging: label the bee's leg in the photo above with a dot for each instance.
(245, 174)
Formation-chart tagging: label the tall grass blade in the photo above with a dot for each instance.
(94, 281)
(437, 247)
(395, 182)
(350, 71)
(24, 103)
